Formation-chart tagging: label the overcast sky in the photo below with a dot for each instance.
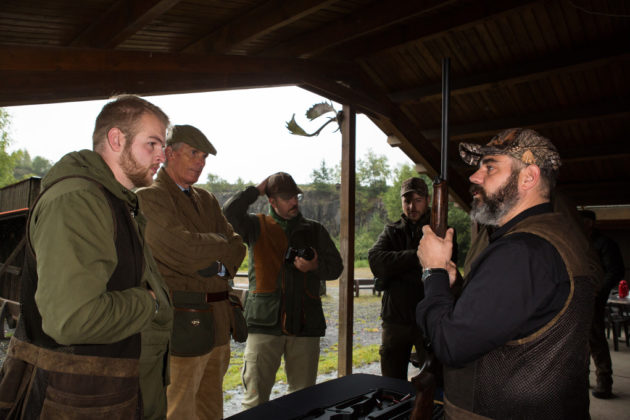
(247, 127)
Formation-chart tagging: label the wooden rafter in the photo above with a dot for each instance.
(123, 19)
(572, 60)
(607, 109)
(422, 28)
(267, 17)
(374, 17)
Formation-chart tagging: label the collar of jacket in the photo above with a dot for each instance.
(286, 225)
(425, 219)
(532, 211)
(89, 164)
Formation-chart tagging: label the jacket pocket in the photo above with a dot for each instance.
(262, 309)
(193, 330)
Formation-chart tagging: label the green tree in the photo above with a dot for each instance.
(373, 173)
(25, 167)
(6, 161)
(217, 184)
(324, 178)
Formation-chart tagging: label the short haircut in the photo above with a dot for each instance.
(123, 112)
(548, 176)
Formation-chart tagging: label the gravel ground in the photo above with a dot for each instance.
(366, 331)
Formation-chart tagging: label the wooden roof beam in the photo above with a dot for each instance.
(267, 17)
(422, 28)
(606, 109)
(368, 19)
(33, 59)
(121, 21)
(574, 60)
(44, 75)
(597, 193)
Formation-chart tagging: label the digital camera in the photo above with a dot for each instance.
(306, 253)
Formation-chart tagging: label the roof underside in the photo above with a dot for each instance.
(558, 67)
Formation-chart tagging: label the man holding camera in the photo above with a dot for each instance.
(288, 257)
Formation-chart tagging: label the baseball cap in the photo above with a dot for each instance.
(414, 184)
(523, 144)
(281, 183)
(191, 136)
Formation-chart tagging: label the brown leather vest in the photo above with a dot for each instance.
(544, 375)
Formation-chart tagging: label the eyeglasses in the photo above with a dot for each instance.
(288, 197)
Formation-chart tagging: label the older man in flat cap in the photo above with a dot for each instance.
(514, 344)
(196, 251)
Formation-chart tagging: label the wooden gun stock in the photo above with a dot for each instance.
(439, 208)
(425, 390)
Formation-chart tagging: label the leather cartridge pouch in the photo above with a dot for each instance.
(239, 328)
(193, 325)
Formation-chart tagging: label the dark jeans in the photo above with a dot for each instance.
(397, 341)
(599, 345)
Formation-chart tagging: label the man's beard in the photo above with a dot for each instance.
(139, 177)
(490, 209)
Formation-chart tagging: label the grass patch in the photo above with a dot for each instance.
(361, 355)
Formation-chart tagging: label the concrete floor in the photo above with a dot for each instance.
(618, 407)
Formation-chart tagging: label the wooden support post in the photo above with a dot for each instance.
(346, 239)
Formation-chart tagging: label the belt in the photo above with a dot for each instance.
(184, 297)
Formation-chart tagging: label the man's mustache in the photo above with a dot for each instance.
(477, 189)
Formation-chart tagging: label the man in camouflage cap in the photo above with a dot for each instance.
(197, 252)
(515, 340)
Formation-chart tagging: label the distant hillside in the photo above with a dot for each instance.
(322, 206)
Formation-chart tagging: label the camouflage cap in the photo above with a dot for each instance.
(414, 184)
(523, 144)
(281, 183)
(191, 136)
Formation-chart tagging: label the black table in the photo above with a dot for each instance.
(324, 394)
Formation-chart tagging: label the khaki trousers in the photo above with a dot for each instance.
(196, 389)
(263, 353)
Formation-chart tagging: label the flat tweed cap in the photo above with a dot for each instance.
(281, 183)
(191, 136)
(523, 144)
(414, 184)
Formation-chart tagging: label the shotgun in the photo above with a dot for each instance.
(425, 381)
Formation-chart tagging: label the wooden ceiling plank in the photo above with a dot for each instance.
(606, 109)
(267, 17)
(124, 19)
(574, 60)
(369, 19)
(421, 29)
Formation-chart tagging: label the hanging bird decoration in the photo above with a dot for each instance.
(312, 113)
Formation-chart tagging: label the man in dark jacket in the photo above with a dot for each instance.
(394, 263)
(612, 263)
(288, 257)
(514, 343)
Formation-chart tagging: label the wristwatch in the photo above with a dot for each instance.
(426, 272)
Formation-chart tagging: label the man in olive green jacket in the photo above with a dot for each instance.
(196, 251)
(96, 315)
(289, 256)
